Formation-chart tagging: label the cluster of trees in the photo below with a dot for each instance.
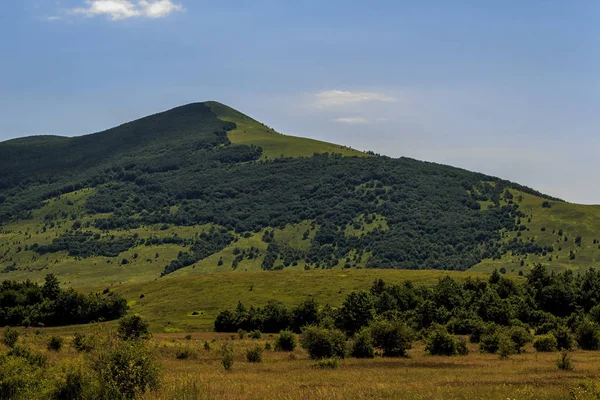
(29, 304)
(562, 306)
(86, 244)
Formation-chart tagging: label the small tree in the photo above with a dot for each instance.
(545, 343)
(323, 343)
(588, 335)
(362, 344)
(564, 363)
(520, 337)
(133, 328)
(440, 343)
(286, 341)
(254, 355)
(55, 343)
(11, 337)
(393, 337)
(227, 356)
(564, 338)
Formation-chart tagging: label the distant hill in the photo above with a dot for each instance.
(204, 188)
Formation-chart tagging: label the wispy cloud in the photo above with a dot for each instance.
(335, 98)
(352, 120)
(124, 9)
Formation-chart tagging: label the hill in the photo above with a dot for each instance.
(204, 188)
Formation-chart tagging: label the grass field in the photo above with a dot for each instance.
(274, 144)
(293, 376)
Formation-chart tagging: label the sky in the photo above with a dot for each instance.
(508, 88)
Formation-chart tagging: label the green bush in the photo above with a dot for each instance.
(75, 386)
(520, 337)
(21, 380)
(564, 337)
(125, 370)
(286, 341)
(227, 356)
(34, 359)
(267, 346)
(183, 353)
(440, 343)
(133, 328)
(255, 334)
(323, 343)
(545, 343)
(564, 363)
(490, 343)
(254, 355)
(462, 347)
(206, 345)
(588, 335)
(82, 343)
(11, 337)
(394, 338)
(241, 333)
(55, 343)
(188, 337)
(506, 347)
(326, 363)
(362, 344)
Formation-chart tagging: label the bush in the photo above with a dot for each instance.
(127, 370)
(188, 337)
(255, 334)
(588, 335)
(227, 356)
(545, 343)
(490, 343)
(520, 337)
(183, 353)
(76, 385)
(480, 329)
(286, 341)
(267, 346)
(34, 359)
(11, 337)
(323, 343)
(564, 338)
(82, 343)
(394, 338)
(462, 347)
(133, 328)
(362, 344)
(241, 333)
(506, 347)
(19, 379)
(440, 343)
(564, 363)
(254, 355)
(330, 363)
(55, 343)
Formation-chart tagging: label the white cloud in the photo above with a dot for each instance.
(124, 9)
(352, 120)
(335, 98)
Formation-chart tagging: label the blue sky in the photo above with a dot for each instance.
(509, 88)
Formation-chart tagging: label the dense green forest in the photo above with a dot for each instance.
(179, 168)
(29, 304)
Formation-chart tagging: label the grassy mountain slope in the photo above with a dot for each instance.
(203, 189)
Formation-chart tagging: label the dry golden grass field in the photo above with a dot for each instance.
(283, 375)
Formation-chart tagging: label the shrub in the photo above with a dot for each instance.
(11, 337)
(241, 333)
(19, 379)
(267, 346)
(393, 337)
(76, 385)
(506, 347)
(254, 355)
(82, 343)
(34, 359)
(133, 328)
(206, 345)
(323, 343)
(330, 363)
(564, 338)
(490, 343)
(227, 356)
(255, 334)
(440, 343)
(588, 335)
(545, 343)
(362, 344)
(286, 341)
(55, 343)
(183, 353)
(520, 337)
(480, 329)
(188, 337)
(127, 370)
(564, 363)
(462, 347)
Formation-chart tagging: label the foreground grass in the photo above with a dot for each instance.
(293, 376)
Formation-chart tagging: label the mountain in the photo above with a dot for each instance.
(204, 188)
